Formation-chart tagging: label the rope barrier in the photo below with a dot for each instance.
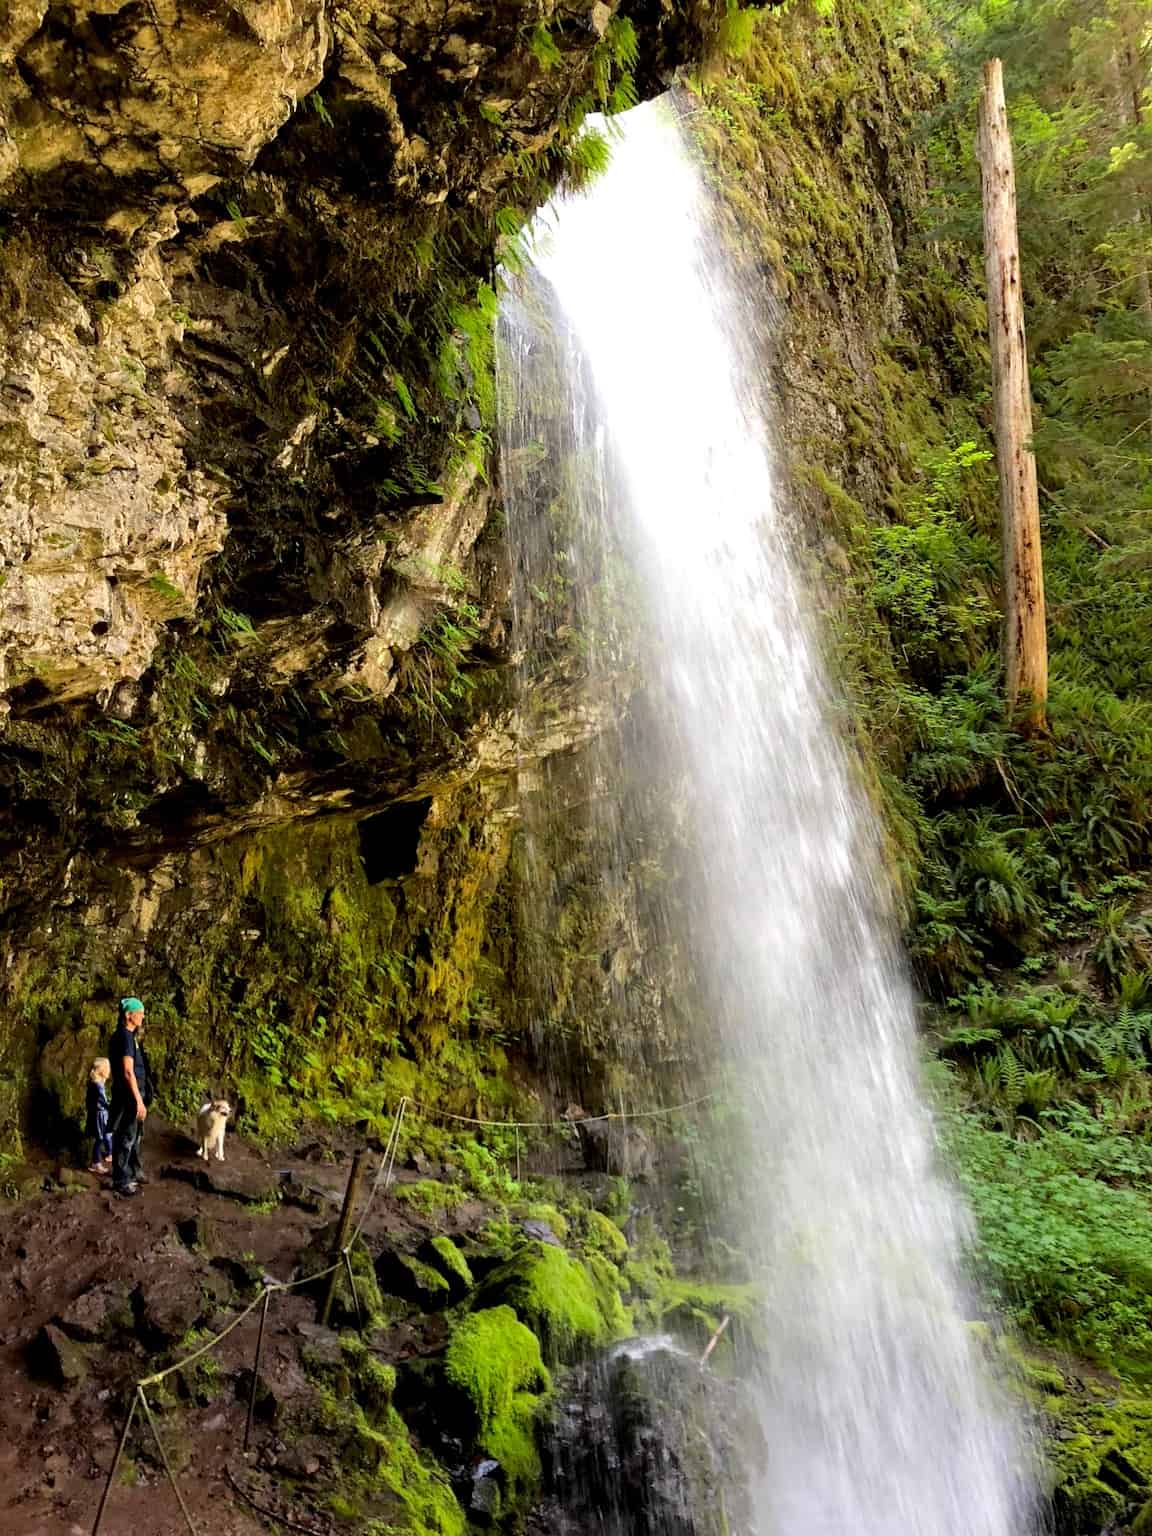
(383, 1180)
(551, 1125)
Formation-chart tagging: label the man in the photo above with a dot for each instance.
(128, 1110)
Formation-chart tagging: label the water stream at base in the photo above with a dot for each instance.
(625, 359)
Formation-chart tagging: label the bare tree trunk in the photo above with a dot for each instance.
(1025, 642)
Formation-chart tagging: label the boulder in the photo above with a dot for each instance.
(250, 1186)
(484, 1497)
(97, 1313)
(412, 1279)
(175, 1295)
(299, 1461)
(444, 1256)
(345, 1312)
(294, 1191)
(540, 1232)
(55, 1357)
(647, 1441)
(272, 1396)
(616, 1147)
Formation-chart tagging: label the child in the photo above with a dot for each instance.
(96, 1126)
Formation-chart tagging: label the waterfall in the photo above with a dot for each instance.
(625, 357)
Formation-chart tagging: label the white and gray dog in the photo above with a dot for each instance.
(210, 1123)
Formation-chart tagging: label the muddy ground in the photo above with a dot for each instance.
(97, 1292)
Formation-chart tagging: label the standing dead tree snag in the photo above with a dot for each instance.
(1025, 640)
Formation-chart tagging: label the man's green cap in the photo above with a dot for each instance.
(131, 1005)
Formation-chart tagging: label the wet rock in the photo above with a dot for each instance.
(97, 1312)
(485, 1496)
(412, 1279)
(273, 1396)
(541, 1232)
(56, 1358)
(614, 1146)
(298, 1461)
(175, 1294)
(324, 1360)
(195, 1232)
(250, 1186)
(244, 1276)
(646, 1444)
(294, 1191)
(356, 1309)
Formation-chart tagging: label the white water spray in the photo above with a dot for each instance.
(874, 1409)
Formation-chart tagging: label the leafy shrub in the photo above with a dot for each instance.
(1069, 1256)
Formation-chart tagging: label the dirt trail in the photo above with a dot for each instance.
(95, 1292)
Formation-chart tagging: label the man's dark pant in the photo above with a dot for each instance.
(125, 1146)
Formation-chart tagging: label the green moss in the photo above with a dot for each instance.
(608, 1282)
(375, 1451)
(603, 1236)
(557, 1296)
(490, 1357)
(494, 1360)
(453, 1260)
(426, 1279)
(511, 1440)
(430, 1196)
(373, 1381)
(1097, 1447)
(711, 1300)
(201, 1380)
(419, 1485)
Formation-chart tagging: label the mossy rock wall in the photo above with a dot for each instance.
(326, 966)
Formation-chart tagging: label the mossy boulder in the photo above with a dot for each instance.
(1096, 1442)
(414, 1279)
(571, 1308)
(444, 1256)
(494, 1362)
(379, 1466)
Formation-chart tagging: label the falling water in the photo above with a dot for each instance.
(870, 1393)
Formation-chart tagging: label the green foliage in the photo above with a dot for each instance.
(932, 573)
(737, 30)
(543, 47)
(1066, 1253)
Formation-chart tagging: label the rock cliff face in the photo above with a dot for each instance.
(253, 564)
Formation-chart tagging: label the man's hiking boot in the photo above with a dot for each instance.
(125, 1191)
